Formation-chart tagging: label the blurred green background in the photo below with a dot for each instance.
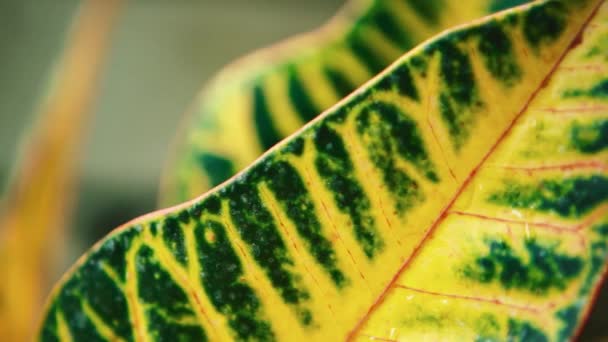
(161, 54)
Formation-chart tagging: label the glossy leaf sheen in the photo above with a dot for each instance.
(476, 210)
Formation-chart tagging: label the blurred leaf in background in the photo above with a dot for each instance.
(38, 202)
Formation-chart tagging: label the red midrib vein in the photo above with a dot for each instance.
(444, 213)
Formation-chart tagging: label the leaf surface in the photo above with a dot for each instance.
(470, 206)
(263, 98)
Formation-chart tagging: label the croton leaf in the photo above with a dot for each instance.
(38, 199)
(262, 99)
(461, 194)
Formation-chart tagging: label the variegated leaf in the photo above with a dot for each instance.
(459, 195)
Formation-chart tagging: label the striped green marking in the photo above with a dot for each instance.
(402, 132)
(257, 228)
(544, 24)
(499, 5)
(542, 269)
(222, 279)
(49, 330)
(341, 84)
(174, 238)
(216, 167)
(599, 90)
(386, 22)
(497, 51)
(335, 166)
(598, 254)
(401, 80)
(287, 185)
(299, 97)
(568, 197)
(364, 52)
(295, 147)
(459, 95)
(93, 285)
(166, 302)
(429, 10)
(81, 330)
(524, 331)
(589, 138)
(267, 133)
(388, 133)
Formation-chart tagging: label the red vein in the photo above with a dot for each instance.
(593, 218)
(358, 155)
(443, 154)
(441, 149)
(376, 338)
(199, 305)
(593, 164)
(186, 283)
(477, 299)
(345, 247)
(249, 267)
(427, 105)
(575, 110)
(571, 229)
(592, 67)
(575, 230)
(337, 234)
(596, 25)
(388, 221)
(276, 213)
(550, 226)
(466, 182)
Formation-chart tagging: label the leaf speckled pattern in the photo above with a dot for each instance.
(381, 221)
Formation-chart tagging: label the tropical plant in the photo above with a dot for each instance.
(460, 194)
